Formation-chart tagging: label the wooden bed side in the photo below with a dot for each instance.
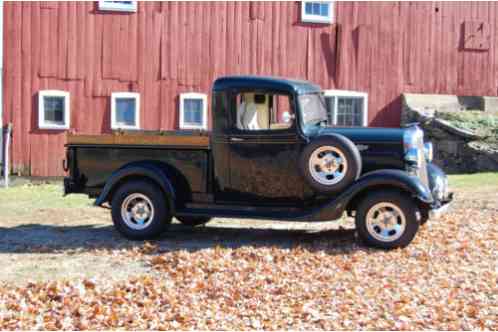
(192, 141)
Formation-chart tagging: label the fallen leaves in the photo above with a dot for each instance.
(446, 279)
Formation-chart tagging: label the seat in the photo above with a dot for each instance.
(252, 115)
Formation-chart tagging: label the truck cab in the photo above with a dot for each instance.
(270, 155)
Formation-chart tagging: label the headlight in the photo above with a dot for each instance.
(428, 151)
(412, 155)
(412, 142)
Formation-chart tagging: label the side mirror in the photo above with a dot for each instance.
(287, 117)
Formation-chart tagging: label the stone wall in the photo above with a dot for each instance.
(456, 150)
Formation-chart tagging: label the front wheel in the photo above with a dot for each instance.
(387, 220)
(139, 210)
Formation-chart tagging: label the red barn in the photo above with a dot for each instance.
(92, 67)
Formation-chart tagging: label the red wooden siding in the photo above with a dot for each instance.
(168, 48)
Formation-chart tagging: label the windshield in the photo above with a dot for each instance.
(313, 109)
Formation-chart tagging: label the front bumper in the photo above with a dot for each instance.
(438, 183)
(441, 207)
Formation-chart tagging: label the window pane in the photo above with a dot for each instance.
(316, 8)
(308, 9)
(54, 109)
(193, 111)
(341, 120)
(118, 5)
(258, 111)
(125, 111)
(120, 2)
(282, 114)
(329, 103)
(349, 111)
(324, 9)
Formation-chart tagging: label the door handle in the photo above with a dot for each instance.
(236, 139)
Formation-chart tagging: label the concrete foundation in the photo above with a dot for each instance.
(456, 150)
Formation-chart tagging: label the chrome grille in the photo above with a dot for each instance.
(422, 171)
(413, 140)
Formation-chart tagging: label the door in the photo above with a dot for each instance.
(263, 149)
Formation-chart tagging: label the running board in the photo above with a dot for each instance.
(247, 212)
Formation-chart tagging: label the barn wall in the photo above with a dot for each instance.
(168, 48)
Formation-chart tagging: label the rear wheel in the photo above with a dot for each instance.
(193, 221)
(387, 220)
(139, 210)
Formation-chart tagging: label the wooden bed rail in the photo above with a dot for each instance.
(195, 140)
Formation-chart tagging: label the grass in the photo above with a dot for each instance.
(473, 182)
(23, 200)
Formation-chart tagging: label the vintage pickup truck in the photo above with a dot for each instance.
(270, 155)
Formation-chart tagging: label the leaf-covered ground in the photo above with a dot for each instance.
(231, 275)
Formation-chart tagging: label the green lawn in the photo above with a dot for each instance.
(23, 200)
(473, 182)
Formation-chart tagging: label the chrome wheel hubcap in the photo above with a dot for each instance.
(386, 222)
(328, 165)
(137, 211)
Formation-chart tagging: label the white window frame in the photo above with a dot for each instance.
(118, 7)
(193, 95)
(310, 18)
(42, 124)
(127, 95)
(345, 93)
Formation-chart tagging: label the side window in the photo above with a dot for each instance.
(259, 111)
(125, 110)
(53, 109)
(317, 11)
(118, 6)
(193, 111)
(347, 108)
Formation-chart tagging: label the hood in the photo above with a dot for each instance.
(366, 134)
(380, 148)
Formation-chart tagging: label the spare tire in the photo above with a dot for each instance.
(330, 163)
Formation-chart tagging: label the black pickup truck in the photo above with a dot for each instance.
(270, 155)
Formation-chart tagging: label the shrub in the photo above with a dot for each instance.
(481, 123)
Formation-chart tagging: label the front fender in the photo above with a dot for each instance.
(391, 178)
(144, 170)
(388, 178)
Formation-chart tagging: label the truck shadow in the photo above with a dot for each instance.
(41, 238)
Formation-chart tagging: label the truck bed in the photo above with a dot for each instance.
(176, 139)
(92, 159)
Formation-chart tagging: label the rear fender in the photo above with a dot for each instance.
(139, 170)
